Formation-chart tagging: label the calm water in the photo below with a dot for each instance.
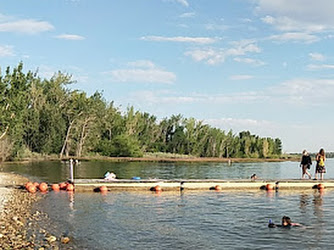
(56, 171)
(188, 220)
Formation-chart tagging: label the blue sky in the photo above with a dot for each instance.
(257, 65)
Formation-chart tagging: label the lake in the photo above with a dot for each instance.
(186, 220)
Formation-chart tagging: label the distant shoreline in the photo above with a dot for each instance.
(178, 159)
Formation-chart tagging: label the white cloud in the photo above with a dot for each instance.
(143, 76)
(6, 50)
(210, 55)
(70, 37)
(172, 98)
(183, 2)
(46, 71)
(219, 27)
(294, 37)
(182, 39)
(246, 20)
(320, 66)
(214, 56)
(317, 56)
(142, 72)
(142, 64)
(27, 26)
(241, 77)
(292, 134)
(298, 15)
(78, 74)
(259, 127)
(307, 92)
(247, 45)
(290, 25)
(251, 61)
(182, 25)
(187, 15)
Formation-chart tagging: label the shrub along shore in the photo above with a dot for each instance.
(160, 157)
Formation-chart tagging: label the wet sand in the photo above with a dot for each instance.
(22, 226)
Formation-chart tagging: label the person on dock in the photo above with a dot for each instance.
(320, 168)
(305, 164)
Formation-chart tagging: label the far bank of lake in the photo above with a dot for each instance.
(170, 159)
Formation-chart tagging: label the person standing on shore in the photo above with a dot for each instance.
(305, 164)
(320, 168)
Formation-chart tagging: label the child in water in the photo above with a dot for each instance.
(253, 177)
(286, 222)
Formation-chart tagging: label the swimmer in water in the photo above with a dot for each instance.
(286, 222)
(253, 177)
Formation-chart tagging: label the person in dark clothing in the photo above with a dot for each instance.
(305, 164)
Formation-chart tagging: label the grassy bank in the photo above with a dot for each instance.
(165, 157)
(156, 157)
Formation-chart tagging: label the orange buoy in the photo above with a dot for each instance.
(55, 187)
(218, 188)
(103, 189)
(321, 186)
(29, 183)
(269, 187)
(62, 186)
(157, 188)
(43, 187)
(32, 189)
(69, 187)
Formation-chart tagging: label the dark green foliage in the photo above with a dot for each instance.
(44, 116)
(105, 147)
(125, 145)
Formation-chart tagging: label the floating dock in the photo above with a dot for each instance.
(194, 184)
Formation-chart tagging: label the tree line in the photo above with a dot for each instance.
(45, 116)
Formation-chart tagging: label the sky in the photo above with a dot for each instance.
(257, 65)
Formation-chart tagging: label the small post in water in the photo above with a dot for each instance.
(71, 171)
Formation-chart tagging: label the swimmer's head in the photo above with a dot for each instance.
(286, 221)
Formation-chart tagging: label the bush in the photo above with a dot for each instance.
(105, 147)
(126, 146)
(120, 146)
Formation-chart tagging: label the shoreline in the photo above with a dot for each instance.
(21, 224)
(15, 210)
(169, 159)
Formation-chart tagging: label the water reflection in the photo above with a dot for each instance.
(71, 200)
(318, 203)
(304, 202)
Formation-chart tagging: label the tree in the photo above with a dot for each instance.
(45, 116)
(14, 89)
